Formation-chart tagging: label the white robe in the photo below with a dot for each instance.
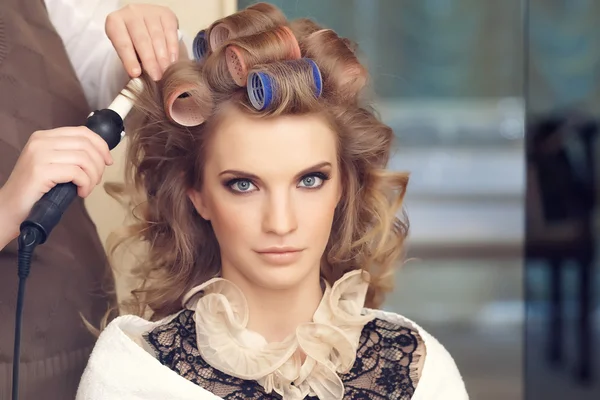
(120, 369)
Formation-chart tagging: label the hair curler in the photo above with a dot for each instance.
(239, 59)
(183, 109)
(47, 212)
(262, 88)
(218, 35)
(200, 46)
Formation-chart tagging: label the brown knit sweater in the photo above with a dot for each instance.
(39, 90)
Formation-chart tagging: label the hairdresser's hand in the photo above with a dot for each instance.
(71, 154)
(145, 31)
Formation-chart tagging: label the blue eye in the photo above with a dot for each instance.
(241, 185)
(312, 181)
(244, 185)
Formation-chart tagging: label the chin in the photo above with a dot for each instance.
(281, 277)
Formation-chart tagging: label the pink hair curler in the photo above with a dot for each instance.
(236, 65)
(182, 109)
(287, 36)
(219, 34)
(237, 62)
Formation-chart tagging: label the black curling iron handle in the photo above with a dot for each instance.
(47, 212)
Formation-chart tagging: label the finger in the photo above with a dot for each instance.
(100, 145)
(76, 145)
(61, 141)
(155, 29)
(79, 159)
(72, 145)
(143, 46)
(119, 36)
(170, 26)
(63, 173)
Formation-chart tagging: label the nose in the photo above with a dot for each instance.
(279, 216)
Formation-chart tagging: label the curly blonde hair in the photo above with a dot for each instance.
(165, 158)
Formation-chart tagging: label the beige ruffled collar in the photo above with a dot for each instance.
(329, 342)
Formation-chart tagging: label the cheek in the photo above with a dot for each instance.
(317, 212)
(232, 222)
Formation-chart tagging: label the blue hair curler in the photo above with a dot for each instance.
(316, 76)
(260, 89)
(200, 45)
(260, 85)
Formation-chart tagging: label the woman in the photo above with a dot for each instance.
(270, 222)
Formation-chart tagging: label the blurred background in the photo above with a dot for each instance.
(494, 106)
(561, 267)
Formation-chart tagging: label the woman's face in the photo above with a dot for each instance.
(270, 189)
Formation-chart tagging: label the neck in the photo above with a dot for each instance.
(275, 313)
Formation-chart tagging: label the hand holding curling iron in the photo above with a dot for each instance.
(70, 154)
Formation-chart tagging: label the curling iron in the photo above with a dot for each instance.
(47, 212)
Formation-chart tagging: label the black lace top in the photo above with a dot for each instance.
(386, 367)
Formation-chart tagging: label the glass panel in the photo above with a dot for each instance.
(562, 274)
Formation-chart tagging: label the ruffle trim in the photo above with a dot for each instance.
(329, 342)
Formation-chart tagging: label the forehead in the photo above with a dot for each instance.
(263, 145)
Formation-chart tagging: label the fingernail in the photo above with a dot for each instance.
(173, 57)
(136, 71)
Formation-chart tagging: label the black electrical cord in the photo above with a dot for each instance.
(29, 238)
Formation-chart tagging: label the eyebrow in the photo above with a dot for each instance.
(255, 177)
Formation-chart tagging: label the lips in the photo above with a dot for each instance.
(278, 250)
(280, 255)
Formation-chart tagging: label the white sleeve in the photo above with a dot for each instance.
(440, 378)
(80, 24)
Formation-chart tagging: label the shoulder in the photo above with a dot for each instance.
(438, 375)
(120, 367)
